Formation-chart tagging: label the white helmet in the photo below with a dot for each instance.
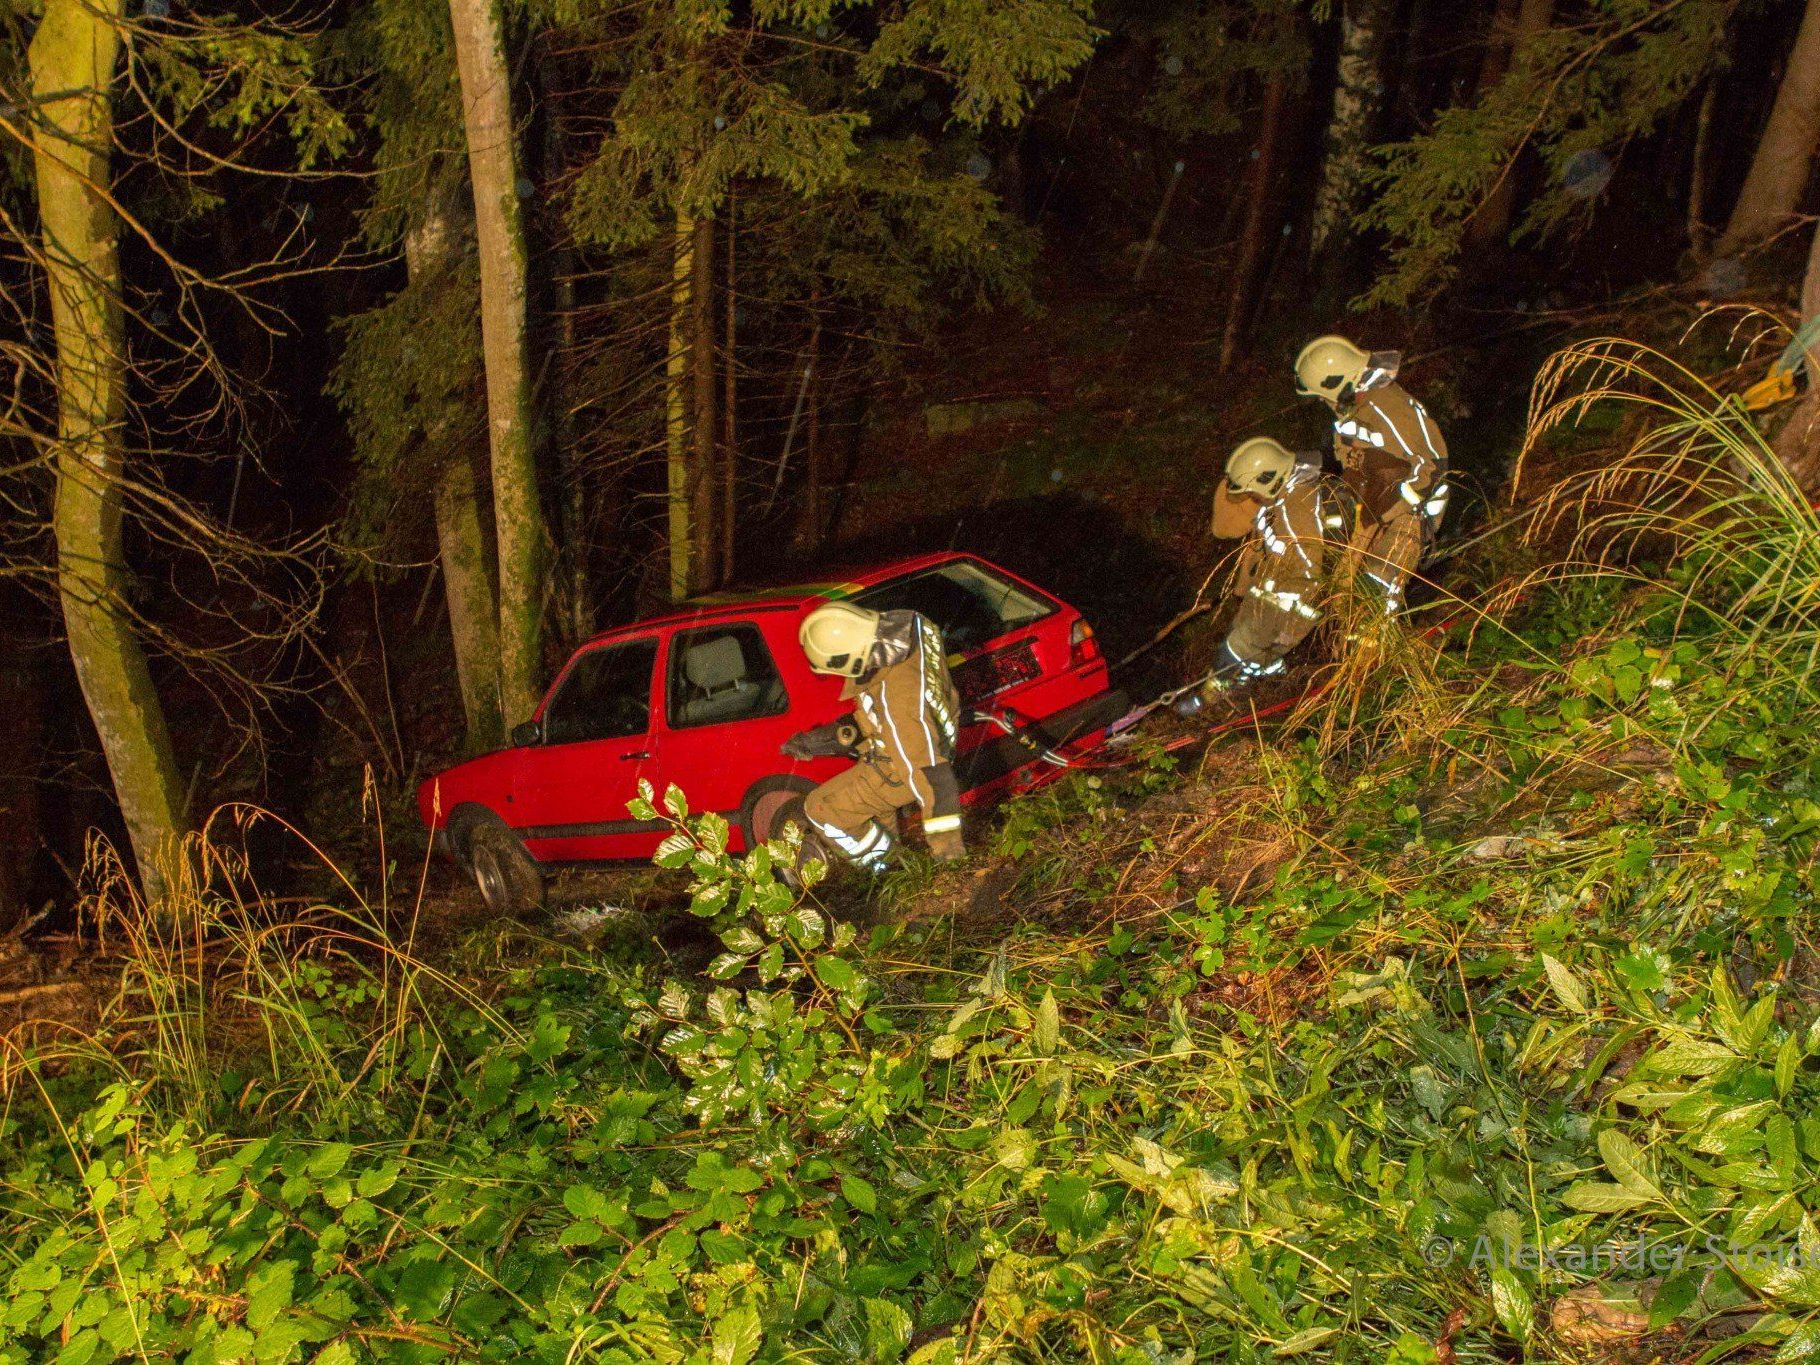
(1327, 367)
(838, 638)
(1258, 466)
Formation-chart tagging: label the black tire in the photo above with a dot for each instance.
(507, 877)
(772, 803)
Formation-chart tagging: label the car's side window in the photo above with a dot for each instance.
(606, 695)
(720, 674)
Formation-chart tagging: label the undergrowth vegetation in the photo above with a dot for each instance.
(1508, 1050)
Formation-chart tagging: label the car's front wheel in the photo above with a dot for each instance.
(508, 878)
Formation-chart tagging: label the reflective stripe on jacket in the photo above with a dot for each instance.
(908, 714)
(1282, 561)
(1391, 452)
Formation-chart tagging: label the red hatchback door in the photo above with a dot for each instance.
(570, 789)
(734, 691)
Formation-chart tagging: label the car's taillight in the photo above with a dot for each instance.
(1081, 644)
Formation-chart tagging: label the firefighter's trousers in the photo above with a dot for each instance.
(856, 812)
(1388, 551)
(1270, 622)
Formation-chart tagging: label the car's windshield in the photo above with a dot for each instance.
(606, 695)
(969, 602)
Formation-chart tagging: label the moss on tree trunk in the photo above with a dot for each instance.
(72, 57)
(704, 501)
(677, 446)
(468, 575)
(518, 519)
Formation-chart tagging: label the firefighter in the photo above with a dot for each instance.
(902, 732)
(1391, 457)
(1292, 513)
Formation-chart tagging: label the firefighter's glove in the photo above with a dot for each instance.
(836, 739)
(947, 845)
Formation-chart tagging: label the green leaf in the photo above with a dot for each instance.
(1690, 1057)
(859, 1193)
(1676, 1296)
(1048, 1030)
(888, 1330)
(675, 851)
(269, 1293)
(836, 973)
(1511, 1302)
(1564, 984)
(1595, 1197)
(1305, 1340)
(329, 1160)
(736, 1336)
(1623, 1159)
(1788, 1062)
(742, 939)
(584, 1201)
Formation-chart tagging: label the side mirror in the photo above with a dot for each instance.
(526, 733)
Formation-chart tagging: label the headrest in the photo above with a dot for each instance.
(716, 663)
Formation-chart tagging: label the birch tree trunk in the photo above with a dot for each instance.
(1357, 98)
(518, 521)
(72, 59)
(677, 446)
(1785, 154)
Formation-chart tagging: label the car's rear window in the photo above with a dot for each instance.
(968, 601)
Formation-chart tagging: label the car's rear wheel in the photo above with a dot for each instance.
(507, 877)
(772, 804)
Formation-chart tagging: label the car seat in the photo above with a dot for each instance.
(721, 687)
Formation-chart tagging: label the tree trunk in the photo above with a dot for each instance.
(72, 59)
(1797, 445)
(677, 446)
(461, 540)
(1490, 226)
(1357, 97)
(1251, 240)
(1779, 170)
(1698, 234)
(1496, 59)
(467, 579)
(729, 456)
(815, 477)
(518, 521)
(703, 494)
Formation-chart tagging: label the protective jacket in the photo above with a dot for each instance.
(1390, 451)
(1279, 574)
(908, 714)
(1289, 534)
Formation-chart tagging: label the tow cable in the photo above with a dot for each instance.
(1118, 732)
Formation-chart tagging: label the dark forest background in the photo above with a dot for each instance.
(838, 281)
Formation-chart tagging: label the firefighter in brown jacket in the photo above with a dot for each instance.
(1293, 515)
(1391, 456)
(902, 731)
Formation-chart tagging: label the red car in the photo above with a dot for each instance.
(704, 697)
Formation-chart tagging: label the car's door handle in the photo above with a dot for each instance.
(628, 758)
